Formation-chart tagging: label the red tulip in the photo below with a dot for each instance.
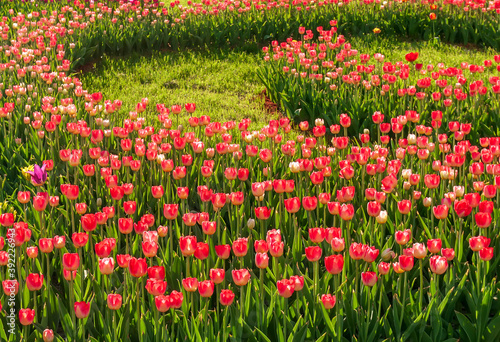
(369, 278)
(241, 277)
(187, 245)
(26, 316)
(406, 262)
(202, 251)
(309, 203)
(80, 239)
(7, 219)
(170, 211)
(71, 261)
(292, 205)
(226, 297)
(82, 309)
(217, 275)
(137, 267)
(176, 299)
(404, 206)
(156, 287)
(334, 263)
(483, 220)
(383, 268)
(328, 301)
(59, 241)
(440, 211)
(114, 301)
(346, 212)
(313, 253)
(206, 288)
(402, 236)
(125, 225)
(411, 56)
(477, 243)
(373, 208)
(190, 284)
(46, 245)
(106, 265)
(262, 213)
(285, 287)
(48, 335)
(162, 303)
(419, 250)
(434, 245)
(486, 254)
(34, 281)
(123, 260)
(316, 235)
(223, 251)
(438, 264)
(240, 247)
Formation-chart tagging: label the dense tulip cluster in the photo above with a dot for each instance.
(132, 227)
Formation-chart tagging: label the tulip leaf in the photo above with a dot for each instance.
(467, 326)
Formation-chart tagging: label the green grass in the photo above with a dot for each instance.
(429, 53)
(224, 85)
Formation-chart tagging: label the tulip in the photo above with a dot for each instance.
(483, 220)
(137, 267)
(241, 277)
(206, 288)
(406, 262)
(156, 272)
(176, 299)
(328, 301)
(82, 309)
(202, 251)
(313, 253)
(187, 245)
(434, 245)
(48, 335)
(114, 301)
(402, 237)
(26, 316)
(223, 251)
(217, 275)
(190, 284)
(226, 297)
(369, 278)
(486, 254)
(240, 247)
(438, 264)
(156, 287)
(285, 287)
(477, 243)
(34, 281)
(334, 263)
(71, 261)
(106, 265)
(162, 303)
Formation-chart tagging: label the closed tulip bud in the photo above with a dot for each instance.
(251, 223)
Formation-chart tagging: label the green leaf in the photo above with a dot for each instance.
(467, 326)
